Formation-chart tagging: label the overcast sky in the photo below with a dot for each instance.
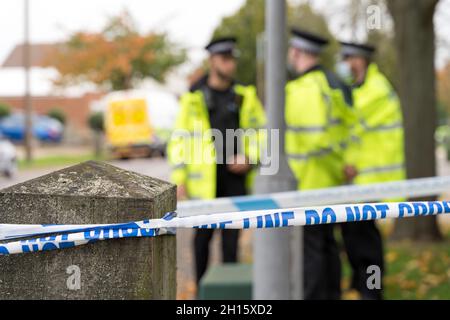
(189, 22)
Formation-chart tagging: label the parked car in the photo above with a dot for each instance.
(45, 129)
(8, 157)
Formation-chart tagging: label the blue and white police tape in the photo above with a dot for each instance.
(65, 236)
(412, 188)
(73, 235)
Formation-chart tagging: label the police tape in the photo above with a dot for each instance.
(52, 237)
(412, 188)
(73, 235)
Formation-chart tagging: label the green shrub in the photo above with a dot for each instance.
(57, 114)
(96, 121)
(5, 110)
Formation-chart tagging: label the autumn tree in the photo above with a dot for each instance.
(415, 47)
(115, 58)
(443, 85)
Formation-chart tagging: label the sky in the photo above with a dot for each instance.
(188, 22)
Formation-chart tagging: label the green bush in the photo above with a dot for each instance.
(96, 121)
(57, 114)
(5, 110)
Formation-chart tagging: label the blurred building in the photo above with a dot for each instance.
(73, 101)
(77, 101)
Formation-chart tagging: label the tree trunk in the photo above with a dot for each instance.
(414, 32)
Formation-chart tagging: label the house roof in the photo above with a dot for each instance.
(41, 83)
(38, 53)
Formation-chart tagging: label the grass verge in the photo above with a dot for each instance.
(57, 161)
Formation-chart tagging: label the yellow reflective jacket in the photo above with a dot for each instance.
(191, 150)
(319, 119)
(379, 154)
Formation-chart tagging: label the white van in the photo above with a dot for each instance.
(162, 108)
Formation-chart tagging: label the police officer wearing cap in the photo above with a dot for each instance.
(318, 120)
(377, 156)
(206, 166)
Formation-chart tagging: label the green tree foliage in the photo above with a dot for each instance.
(5, 110)
(304, 17)
(248, 23)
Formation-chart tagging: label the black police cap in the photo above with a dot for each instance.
(356, 49)
(307, 41)
(224, 45)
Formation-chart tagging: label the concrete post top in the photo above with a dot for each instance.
(88, 193)
(93, 178)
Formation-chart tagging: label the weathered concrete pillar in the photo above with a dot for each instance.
(91, 192)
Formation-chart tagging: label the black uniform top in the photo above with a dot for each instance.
(223, 108)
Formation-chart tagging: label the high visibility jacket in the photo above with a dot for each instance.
(379, 154)
(191, 150)
(319, 119)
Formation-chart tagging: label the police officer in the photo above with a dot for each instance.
(318, 119)
(207, 164)
(377, 157)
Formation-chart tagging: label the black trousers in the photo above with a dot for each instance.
(364, 247)
(322, 265)
(202, 239)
